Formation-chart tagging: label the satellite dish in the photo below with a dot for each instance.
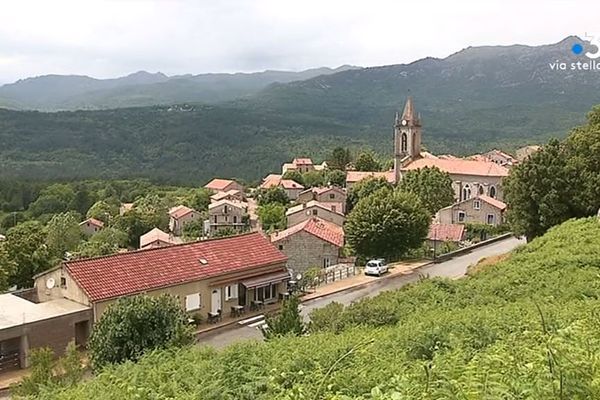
(299, 276)
(50, 282)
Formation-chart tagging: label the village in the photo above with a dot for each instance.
(240, 265)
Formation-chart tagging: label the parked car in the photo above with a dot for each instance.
(376, 267)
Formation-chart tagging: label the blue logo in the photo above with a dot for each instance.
(577, 49)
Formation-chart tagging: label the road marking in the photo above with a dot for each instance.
(252, 319)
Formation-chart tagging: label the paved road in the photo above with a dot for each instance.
(453, 269)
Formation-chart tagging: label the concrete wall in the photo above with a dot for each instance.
(70, 290)
(330, 196)
(450, 215)
(314, 211)
(305, 251)
(89, 229)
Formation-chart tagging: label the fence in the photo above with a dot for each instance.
(9, 361)
(334, 273)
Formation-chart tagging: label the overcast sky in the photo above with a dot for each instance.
(113, 38)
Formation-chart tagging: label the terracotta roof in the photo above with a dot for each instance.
(270, 180)
(460, 166)
(302, 161)
(355, 176)
(321, 190)
(218, 184)
(222, 195)
(236, 204)
(314, 203)
(494, 202)
(130, 273)
(153, 236)
(179, 211)
(446, 232)
(290, 184)
(322, 229)
(92, 221)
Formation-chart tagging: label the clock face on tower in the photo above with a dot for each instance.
(404, 122)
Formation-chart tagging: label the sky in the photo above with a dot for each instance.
(107, 39)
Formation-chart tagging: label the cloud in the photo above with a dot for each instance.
(112, 38)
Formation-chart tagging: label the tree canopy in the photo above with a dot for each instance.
(431, 185)
(366, 162)
(363, 189)
(272, 217)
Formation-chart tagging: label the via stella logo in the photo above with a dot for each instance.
(578, 48)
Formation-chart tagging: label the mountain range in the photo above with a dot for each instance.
(473, 100)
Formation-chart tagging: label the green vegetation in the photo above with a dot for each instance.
(272, 195)
(363, 189)
(387, 223)
(559, 182)
(135, 325)
(526, 327)
(366, 161)
(431, 185)
(272, 217)
(287, 322)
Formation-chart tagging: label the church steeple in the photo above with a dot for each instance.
(407, 137)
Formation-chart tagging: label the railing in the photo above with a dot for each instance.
(332, 274)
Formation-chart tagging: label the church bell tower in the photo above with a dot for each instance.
(407, 137)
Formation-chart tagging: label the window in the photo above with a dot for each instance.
(332, 196)
(192, 302)
(326, 262)
(63, 282)
(466, 192)
(225, 210)
(476, 204)
(314, 212)
(491, 219)
(481, 190)
(231, 292)
(226, 218)
(280, 247)
(333, 208)
(215, 219)
(404, 144)
(461, 216)
(235, 219)
(264, 292)
(493, 191)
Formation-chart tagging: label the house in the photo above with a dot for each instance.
(480, 209)
(441, 233)
(355, 176)
(91, 226)
(331, 212)
(157, 238)
(231, 195)
(179, 216)
(291, 188)
(223, 185)
(500, 157)
(525, 152)
(302, 165)
(311, 243)
(208, 276)
(26, 325)
(331, 194)
(225, 214)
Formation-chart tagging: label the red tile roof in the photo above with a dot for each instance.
(218, 184)
(460, 166)
(302, 161)
(290, 184)
(322, 229)
(179, 211)
(355, 176)
(494, 202)
(93, 221)
(446, 232)
(134, 272)
(270, 181)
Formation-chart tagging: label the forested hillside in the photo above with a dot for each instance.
(524, 328)
(474, 100)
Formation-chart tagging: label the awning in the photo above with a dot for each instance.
(266, 279)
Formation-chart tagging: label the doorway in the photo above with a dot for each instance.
(215, 300)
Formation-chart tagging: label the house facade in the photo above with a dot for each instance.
(91, 226)
(291, 188)
(179, 216)
(225, 214)
(231, 195)
(331, 212)
(331, 194)
(479, 209)
(312, 243)
(302, 165)
(157, 238)
(207, 276)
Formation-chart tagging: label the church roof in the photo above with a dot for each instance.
(460, 167)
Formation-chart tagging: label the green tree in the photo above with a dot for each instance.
(7, 268)
(194, 230)
(62, 235)
(314, 179)
(431, 185)
(103, 211)
(199, 199)
(107, 241)
(336, 177)
(26, 249)
(363, 189)
(339, 159)
(272, 195)
(71, 368)
(387, 223)
(294, 175)
(272, 217)
(288, 322)
(54, 199)
(225, 232)
(140, 220)
(135, 325)
(42, 374)
(366, 161)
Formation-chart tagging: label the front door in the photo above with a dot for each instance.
(215, 301)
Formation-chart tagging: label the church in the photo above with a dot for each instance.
(470, 177)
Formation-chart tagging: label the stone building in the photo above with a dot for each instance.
(480, 209)
(331, 212)
(225, 214)
(180, 216)
(331, 194)
(311, 243)
(91, 226)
